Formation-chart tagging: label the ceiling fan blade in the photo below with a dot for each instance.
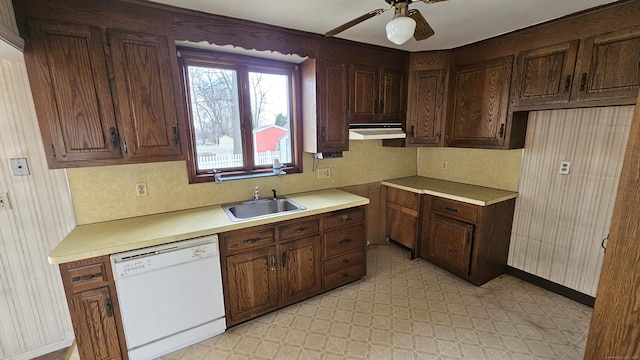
(423, 29)
(355, 21)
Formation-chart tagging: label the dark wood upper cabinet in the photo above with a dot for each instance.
(480, 104)
(425, 108)
(375, 94)
(325, 101)
(545, 75)
(70, 84)
(144, 93)
(608, 67)
(104, 95)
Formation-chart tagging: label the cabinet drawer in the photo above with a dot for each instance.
(343, 240)
(403, 198)
(86, 277)
(344, 276)
(241, 241)
(455, 209)
(343, 218)
(299, 229)
(343, 261)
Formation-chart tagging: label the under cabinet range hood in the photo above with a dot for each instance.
(376, 131)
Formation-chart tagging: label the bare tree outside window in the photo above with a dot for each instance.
(240, 115)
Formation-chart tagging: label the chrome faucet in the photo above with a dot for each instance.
(256, 195)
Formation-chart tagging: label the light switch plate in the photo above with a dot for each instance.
(565, 166)
(4, 202)
(20, 167)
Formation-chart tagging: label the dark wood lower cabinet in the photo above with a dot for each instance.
(450, 244)
(468, 240)
(251, 284)
(270, 266)
(94, 310)
(97, 331)
(402, 217)
(301, 272)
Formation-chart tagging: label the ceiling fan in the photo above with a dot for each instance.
(405, 22)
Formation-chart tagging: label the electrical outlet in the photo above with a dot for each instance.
(565, 166)
(4, 201)
(444, 165)
(141, 189)
(324, 173)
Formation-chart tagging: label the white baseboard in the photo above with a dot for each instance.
(66, 342)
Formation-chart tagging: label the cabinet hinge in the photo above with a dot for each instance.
(108, 307)
(125, 148)
(501, 130)
(178, 53)
(53, 151)
(176, 138)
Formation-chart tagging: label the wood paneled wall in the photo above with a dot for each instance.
(33, 312)
(560, 220)
(375, 210)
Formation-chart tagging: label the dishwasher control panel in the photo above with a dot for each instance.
(158, 257)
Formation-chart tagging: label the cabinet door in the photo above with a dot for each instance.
(450, 244)
(333, 124)
(608, 67)
(402, 225)
(94, 324)
(70, 83)
(544, 76)
(301, 264)
(251, 284)
(363, 94)
(481, 104)
(391, 97)
(144, 94)
(424, 120)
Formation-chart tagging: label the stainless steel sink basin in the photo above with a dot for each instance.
(260, 208)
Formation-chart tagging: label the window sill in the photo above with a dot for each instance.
(220, 177)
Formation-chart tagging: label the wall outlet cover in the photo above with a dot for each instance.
(20, 167)
(565, 167)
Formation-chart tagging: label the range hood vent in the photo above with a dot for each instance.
(376, 131)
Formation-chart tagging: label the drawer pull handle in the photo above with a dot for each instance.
(344, 241)
(252, 241)
(283, 259)
(300, 229)
(345, 275)
(273, 263)
(451, 209)
(346, 261)
(86, 277)
(345, 218)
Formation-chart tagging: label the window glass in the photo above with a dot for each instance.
(215, 116)
(270, 117)
(242, 114)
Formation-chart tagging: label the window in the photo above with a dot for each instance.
(243, 114)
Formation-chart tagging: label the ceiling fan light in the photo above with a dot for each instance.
(400, 29)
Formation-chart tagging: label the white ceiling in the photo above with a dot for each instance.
(456, 22)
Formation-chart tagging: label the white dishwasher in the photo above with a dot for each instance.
(170, 295)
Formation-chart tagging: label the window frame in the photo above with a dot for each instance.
(242, 64)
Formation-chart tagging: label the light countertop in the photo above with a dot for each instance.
(91, 240)
(472, 194)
